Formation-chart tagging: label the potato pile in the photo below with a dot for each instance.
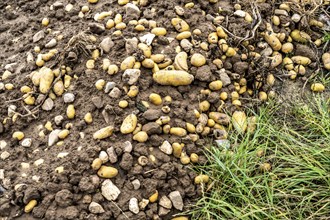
(161, 82)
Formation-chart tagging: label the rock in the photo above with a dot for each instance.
(58, 119)
(132, 11)
(147, 39)
(3, 144)
(131, 76)
(224, 77)
(109, 86)
(162, 211)
(52, 43)
(107, 44)
(1, 128)
(186, 45)
(38, 36)
(131, 45)
(11, 67)
(112, 155)
(96, 28)
(53, 137)
(2, 86)
(152, 114)
(4, 155)
(176, 199)
(26, 142)
(115, 93)
(68, 97)
(136, 184)
(68, 7)
(152, 128)
(109, 190)
(95, 208)
(97, 101)
(58, 5)
(128, 147)
(241, 67)
(240, 13)
(204, 74)
(165, 202)
(224, 144)
(48, 104)
(64, 198)
(126, 162)
(104, 156)
(166, 147)
(296, 18)
(304, 50)
(2, 174)
(134, 206)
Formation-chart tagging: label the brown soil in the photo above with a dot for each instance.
(68, 195)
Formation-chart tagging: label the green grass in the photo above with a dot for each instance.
(296, 142)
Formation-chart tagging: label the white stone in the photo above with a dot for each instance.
(296, 18)
(68, 97)
(95, 208)
(62, 154)
(52, 43)
(58, 119)
(112, 155)
(165, 202)
(2, 174)
(107, 44)
(25, 166)
(48, 104)
(131, 76)
(136, 184)
(115, 93)
(68, 7)
(3, 144)
(134, 205)
(176, 199)
(38, 162)
(109, 190)
(53, 137)
(27, 142)
(147, 39)
(240, 13)
(128, 147)
(109, 86)
(103, 156)
(166, 147)
(11, 110)
(4, 155)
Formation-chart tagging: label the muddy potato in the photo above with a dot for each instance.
(181, 132)
(201, 179)
(204, 106)
(300, 36)
(301, 60)
(215, 85)
(263, 96)
(317, 87)
(173, 77)
(103, 133)
(146, 49)
(107, 172)
(221, 33)
(265, 167)
(155, 99)
(326, 60)
(230, 52)
(270, 79)
(129, 124)
(128, 63)
(276, 59)
(180, 25)
(46, 79)
(219, 118)
(212, 38)
(300, 69)
(184, 159)
(273, 41)
(194, 158)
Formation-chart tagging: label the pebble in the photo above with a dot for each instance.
(68, 7)
(4, 155)
(296, 18)
(131, 76)
(107, 44)
(115, 93)
(128, 147)
(224, 77)
(147, 39)
(97, 101)
(38, 36)
(186, 45)
(109, 86)
(136, 184)
(143, 204)
(68, 97)
(38, 162)
(134, 205)
(2, 86)
(27, 142)
(112, 155)
(95, 208)
(58, 119)
(162, 211)
(2, 174)
(131, 45)
(165, 202)
(104, 156)
(3, 144)
(11, 67)
(11, 110)
(109, 190)
(53, 137)
(240, 13)
(133, 11)
(52, 43)
(48, 104)
(25, 166)
(58, 5)
(96, 28)
(176, 199)
(166, 147)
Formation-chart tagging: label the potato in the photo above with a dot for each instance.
(129, 124)
(18, 135)
(180, 25)
(128, 63)
(107, 172)
(146, 49)
(103, 133)
(157, 58)
(197, 60)
(147, 63)
(159, 31)
(194, 158)
(301, 60)
(239, 120)
(155, 99)
(183, 35)
(230, 52)
(29, 207)
(204, 106)
(288, 63)
(46, 79)
(201, 179)
(70, 112)
(219, 118)
(63, 134)
(212, 38)
(96, 164)
(58, 88)
(276, 59)
(181, 132)
(141, 136)
(221, 33)
(29, 100)
(270, 79)
(133, 91)
(153, 197)
(88, 118)
(287, 47)
(180, 62)
(300, 36)
(263, 96)
(184, 159)
(173, 77)
(326, 60)
(317, 87)
(180, 218)
(273, 41)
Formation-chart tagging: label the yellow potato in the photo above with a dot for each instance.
(287, 47)
(180, 62)
(29, 207)
(155, 99)
(129, 124)
(128, 63)
(301, 60)
(180, 218)
(201, 179)
(96, 164)
(103, 133)
(146, 49)
(178, 131)
(317, 87)
(276, 59)
(221, 33)
(204, 106)
(273, 41)
(173, 77)
(213, 38)
(288, 63)
(153, 197)
(18, 135)
(239, 120)
(180, 25)
(88, 118)
(58, 88)
(70, 112)
(300, 36)
(197, 60)
(46, 79)
(159, 31)
(183, 35)
(326, 60)
(63, 134)
(107, 172)
(141, 136)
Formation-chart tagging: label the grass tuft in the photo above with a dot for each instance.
(296, 142)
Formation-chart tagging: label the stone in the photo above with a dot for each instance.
(48, 104)
(38, 162)
(186, 45)
(304, 50)
(152, 114)
(240, 13)
(241, 67)
(147, 39)
(136, 184)
(64, 198)
(296, 18)
(132, 11)
(97, 101)
(133, 205)
(176, 199)
(26, 142)
(3, 144)
(162, 211)
(2, 86)
(58, 119)
(115, 93)
(152, 128)
(52, 43)
(109, 190)
(68, 7)
(4, 155)
(165, 202)
(38, 36)
(224, 77)
(53, 137)
(11, 67)
(112, 155)
(143, 204)
(166, 147)
(131, 45)
(204, 74)
(239, 121)
(109, 86)
(128, 147)
(95, 208)
(104, 156)
(96, 28)
(106, 44)
(58, 5)
(131, 76)
(68, 97)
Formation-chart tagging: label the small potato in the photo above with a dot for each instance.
(197, 60)
(154, 197)
(202, 179)
(326, 60)
(181, 132)
(183, 35)
(204, 106)
(146, 49)
(148, 63)
(113, 69)
(212, 38)
(180, 25)
(263, 96)
(287, 48)
(230, 52)
(270, 79)
(141, 137)
(288, 63)
(123, 104)
(129, 124)
(300, 36)
(29, 207)
(155, 99)
(46, 79)
(215, 85)
(18, 135)
(190, 127)
(276, 60)
(99, 84)
(301, 60)
(317, 87)
(128, 63)
(159, 31)
(58, 88)
(96, 164)
(90, 64)
(103, 133)
(45, 22)
(173, 77)
(221, 33)
(273, 41)
(88, 118)
(239, 121)
(180, 62)
(107, 172)
(133, 91)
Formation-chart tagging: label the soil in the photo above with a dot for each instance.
(67, 195)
